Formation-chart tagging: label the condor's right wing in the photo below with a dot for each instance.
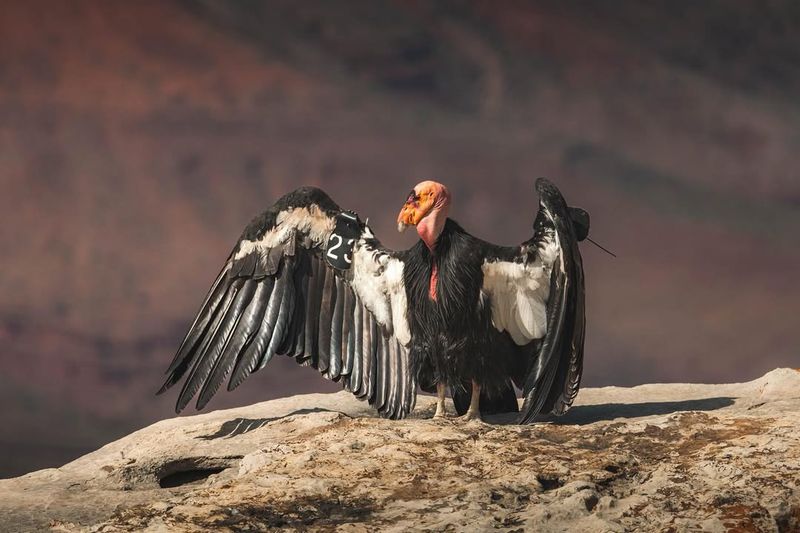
(296, 287)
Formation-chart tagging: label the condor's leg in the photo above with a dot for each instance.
(441, 412)
(474, 412)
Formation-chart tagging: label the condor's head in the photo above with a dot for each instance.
(426, 208)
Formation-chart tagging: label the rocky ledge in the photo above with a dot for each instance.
(665, 457)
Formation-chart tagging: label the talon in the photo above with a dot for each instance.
(469, 416)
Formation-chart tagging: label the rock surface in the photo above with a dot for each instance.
(665, 457)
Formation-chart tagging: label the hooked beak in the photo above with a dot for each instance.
(407, 216)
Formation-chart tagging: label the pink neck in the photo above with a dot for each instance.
(430, 227)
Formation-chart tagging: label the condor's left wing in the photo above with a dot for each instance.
(536, 294)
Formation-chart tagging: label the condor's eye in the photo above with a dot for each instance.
(412, 198)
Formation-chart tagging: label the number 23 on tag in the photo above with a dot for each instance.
(338, 253)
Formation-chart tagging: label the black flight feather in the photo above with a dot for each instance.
(211, 358)
(191, 384)
(201, 322)
(245, 331)
(247, 362)
(356, 372)
(313, 303)
(335, 345)
(328, 301)
(348, 348)
(285, 313)
(303, 279)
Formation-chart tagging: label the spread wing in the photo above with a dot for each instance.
(277, 294)
(536, 294)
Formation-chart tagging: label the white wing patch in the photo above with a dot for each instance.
(518, 293)
(311, 221)
(396, 290)
(378, 282)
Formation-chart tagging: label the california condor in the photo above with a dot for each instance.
(310, 281)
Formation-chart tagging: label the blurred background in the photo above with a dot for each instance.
(138, 138)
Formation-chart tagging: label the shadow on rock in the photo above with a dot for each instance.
(240, 426)
(588, 414)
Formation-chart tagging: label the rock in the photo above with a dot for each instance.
(667, 457)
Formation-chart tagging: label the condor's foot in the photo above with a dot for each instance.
(474, 412)
(441, 411)
(471, 415)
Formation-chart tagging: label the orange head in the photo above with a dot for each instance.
(425, 198)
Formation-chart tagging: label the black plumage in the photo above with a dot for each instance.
(457, 347)
(382, 327)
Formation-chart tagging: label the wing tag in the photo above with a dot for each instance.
(339, 249)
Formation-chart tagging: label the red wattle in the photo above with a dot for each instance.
(434, 278)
